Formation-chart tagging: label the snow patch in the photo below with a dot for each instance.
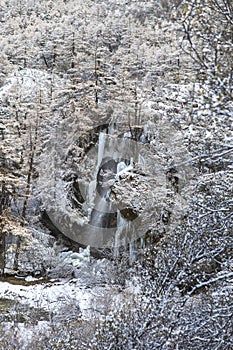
(29, 82)
(53, 296)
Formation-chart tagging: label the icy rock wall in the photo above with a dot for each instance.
(120, 189)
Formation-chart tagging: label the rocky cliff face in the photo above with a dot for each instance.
(115, 182)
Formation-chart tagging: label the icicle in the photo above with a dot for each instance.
(141, 160)
(91, 192)
(101, 146)
(100, 211)
(132, 246)
(121, 225)
(142, 243)
(132, 252)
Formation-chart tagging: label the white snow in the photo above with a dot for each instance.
(56, 294)
(76, 259)
(29, 82)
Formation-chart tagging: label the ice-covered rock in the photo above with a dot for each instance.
(74, 258)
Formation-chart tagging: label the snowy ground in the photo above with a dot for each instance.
(56, 295)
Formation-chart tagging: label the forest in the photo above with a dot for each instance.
(116, 174)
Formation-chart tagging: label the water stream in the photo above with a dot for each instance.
(116, 155)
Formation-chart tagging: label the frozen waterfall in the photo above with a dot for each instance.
(90, 213)
(116, 156)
